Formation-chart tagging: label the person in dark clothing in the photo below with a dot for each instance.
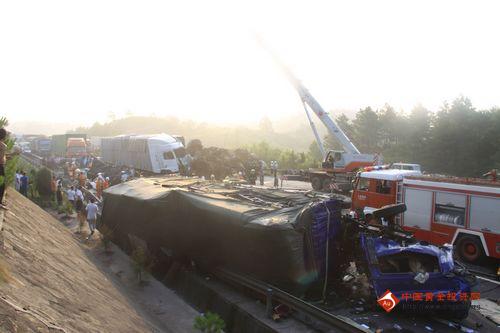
(3, 159)
(80, 212)
(59, 195)
(24, 184)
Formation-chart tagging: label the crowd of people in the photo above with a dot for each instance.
(85, 212)
(22, 182)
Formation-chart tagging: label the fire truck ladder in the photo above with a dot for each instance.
(399, 199)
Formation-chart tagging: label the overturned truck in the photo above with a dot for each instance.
(295, 240)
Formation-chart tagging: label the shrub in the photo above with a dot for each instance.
(106, 235)
(11, 165)
(209, 323)
(68, 208)
(139, 262)
(43, 180)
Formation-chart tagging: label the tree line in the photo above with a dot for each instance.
(456, 140)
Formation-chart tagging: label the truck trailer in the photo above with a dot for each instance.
(160, 153)
(60, 143)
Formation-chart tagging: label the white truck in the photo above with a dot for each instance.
(160, 153)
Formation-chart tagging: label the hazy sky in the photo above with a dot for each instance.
(76, 61)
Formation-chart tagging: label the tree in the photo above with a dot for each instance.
(314, 152)
(416, 140)
(454, 138)
(111, 115)
(367, 130)
(389, 126)
(194, 146)
(43, 180)
(266, 125)
(330, 141)
(11, 165)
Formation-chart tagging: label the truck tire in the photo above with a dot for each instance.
(316, 183)
(326, 185)
(470, 249)
(389, 210)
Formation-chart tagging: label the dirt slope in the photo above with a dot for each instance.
(52, 278)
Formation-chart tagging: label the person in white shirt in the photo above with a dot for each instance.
(18, 180)
(71, 194)
(79, 193)
(124, 176)
(91, 216)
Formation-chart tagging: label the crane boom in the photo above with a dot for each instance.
(313, 104)
(315, 131)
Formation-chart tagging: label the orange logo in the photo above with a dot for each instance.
(388, 301)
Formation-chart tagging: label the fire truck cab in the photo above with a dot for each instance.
(378, 188)
(459, 211)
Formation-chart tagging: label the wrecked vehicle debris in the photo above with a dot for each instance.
(295, 240)
(422, 277)
(221, 162)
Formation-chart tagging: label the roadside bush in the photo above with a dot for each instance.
(139, 262)
(106, 235)
(68, 208)
(11, 165)
(43, 180)
(209, 322)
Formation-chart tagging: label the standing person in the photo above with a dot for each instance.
(3, 159)
(262, 166)
(59, 196)
(91, 216)
(106, 183)
(18, 180)
(80, 213)
(124, 176)
(82, 178)
(99, 183)
(53, 187)
(23, 188)
(79, 193)
(71, 195)
(274, 167)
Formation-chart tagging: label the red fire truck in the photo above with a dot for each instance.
(460, 211)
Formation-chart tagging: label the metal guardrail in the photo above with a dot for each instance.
(275, 294)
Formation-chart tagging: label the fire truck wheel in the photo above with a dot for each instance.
(469, 248)
(316, 183)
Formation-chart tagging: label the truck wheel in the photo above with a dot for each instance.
(326, 185)
(469, 248)
(316, 183)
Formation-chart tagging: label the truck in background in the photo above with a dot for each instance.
(60, 143)
(42, 146)
(159, 153)
(76, 147)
